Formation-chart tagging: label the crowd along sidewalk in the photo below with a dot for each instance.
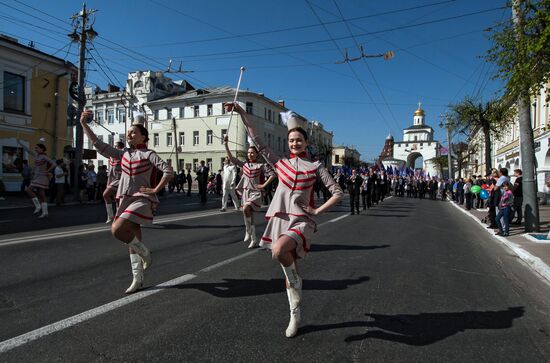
(535, 252)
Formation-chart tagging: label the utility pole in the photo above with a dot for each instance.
(527, 144)
(447, 126)
(80, 34)
(176, 144)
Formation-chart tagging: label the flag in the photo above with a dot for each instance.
(443, 150)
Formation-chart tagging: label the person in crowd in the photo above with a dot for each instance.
(42, 174)
(468, 193)
(59, 176)
(91, 182)
(290, 214)
(102, 178)
(189, 180)
(202, 180)
(365, 199)
(136, 192)
(113, 179)
(517, 190)
(354, 183)
(26, 174)
(505, 205)
(494, 197)
(229, 178)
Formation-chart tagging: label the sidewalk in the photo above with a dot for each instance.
(536, 253)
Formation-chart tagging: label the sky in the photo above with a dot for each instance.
(290, 49)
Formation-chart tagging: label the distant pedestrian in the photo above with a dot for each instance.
(113, 179)
(59, 175)
(91, 182)
(202, 179)
(354, 183)
(518, 197)
(189, 180)
(229, 178)
(505, 204)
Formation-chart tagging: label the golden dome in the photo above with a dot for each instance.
(419, 112)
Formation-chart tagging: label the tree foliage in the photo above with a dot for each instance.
(523, 57)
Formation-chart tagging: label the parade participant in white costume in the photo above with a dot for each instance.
(136, 192)
(228, 185)
(251, 188)
(113, 179)
(40, 182)
(290, 227)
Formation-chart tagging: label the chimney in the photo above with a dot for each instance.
(281, 102)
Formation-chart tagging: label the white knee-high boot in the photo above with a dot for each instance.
(44, 210)
(247, 224)
(137, 271)
(254, 242)
(142, 251)
(37, 206)
(110, 212)
(294, 293)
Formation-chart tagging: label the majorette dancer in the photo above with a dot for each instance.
(251, 188)
(113, 179)
(290, 227)
(40, 182)
(136, 193)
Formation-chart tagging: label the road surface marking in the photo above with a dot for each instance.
(23, 339)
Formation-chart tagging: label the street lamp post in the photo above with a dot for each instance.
(81, 34)
(447, 126)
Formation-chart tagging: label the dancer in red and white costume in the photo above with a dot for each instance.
(113, 178)
(251, 189)
(290, 227)
(40, 182)
(136, 193)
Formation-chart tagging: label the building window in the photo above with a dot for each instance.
(195, 138)
(195, 164)
(121, 115)
(269, 140)
(280, 120)
(209, 164)
(169, 114)
(100, 138)
(14, 92)
(169, 139)
(110, 116)
(269, 115)
(209, 110)
(222, 163)
(121, 137)
(155, 114)
(196, 111)
(99, 116)
(182, 112)
(249, 108)
(111, 139)
(223, 108)
(224, 134)
(279, 143)
(182, 138)
(265, 113)
(337, 159)
(156, 140)
(209, 137)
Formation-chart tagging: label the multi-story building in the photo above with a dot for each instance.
(507, 146)
(345, 157)
(34, 101)
(191, 127)
(114, 109)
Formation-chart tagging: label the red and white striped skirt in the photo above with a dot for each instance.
(299, 228)
(136, 209)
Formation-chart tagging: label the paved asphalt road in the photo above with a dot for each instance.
(410, 280)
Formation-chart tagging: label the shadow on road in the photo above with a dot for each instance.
(249, 287)
(195, 226)
(324, 248)
(424, 328)
(387, 215)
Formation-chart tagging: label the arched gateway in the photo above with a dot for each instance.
(416, 150)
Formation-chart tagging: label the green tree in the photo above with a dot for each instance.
(440, 162)
(490, 117)
(522, 52)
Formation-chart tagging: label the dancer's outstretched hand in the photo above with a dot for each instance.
(230, 106)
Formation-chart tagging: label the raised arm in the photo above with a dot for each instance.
(265, 150)
(103, 148)
(233, 159)
(29, 151)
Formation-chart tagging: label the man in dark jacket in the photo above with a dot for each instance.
(354, 183)
(202, 179)
(518, 197)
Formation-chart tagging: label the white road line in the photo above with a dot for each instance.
(84, 231)
(534, 262)
(22, 339)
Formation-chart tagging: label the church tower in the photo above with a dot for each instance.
(419, 116)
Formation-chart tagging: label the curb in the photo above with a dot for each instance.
(536, 264)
